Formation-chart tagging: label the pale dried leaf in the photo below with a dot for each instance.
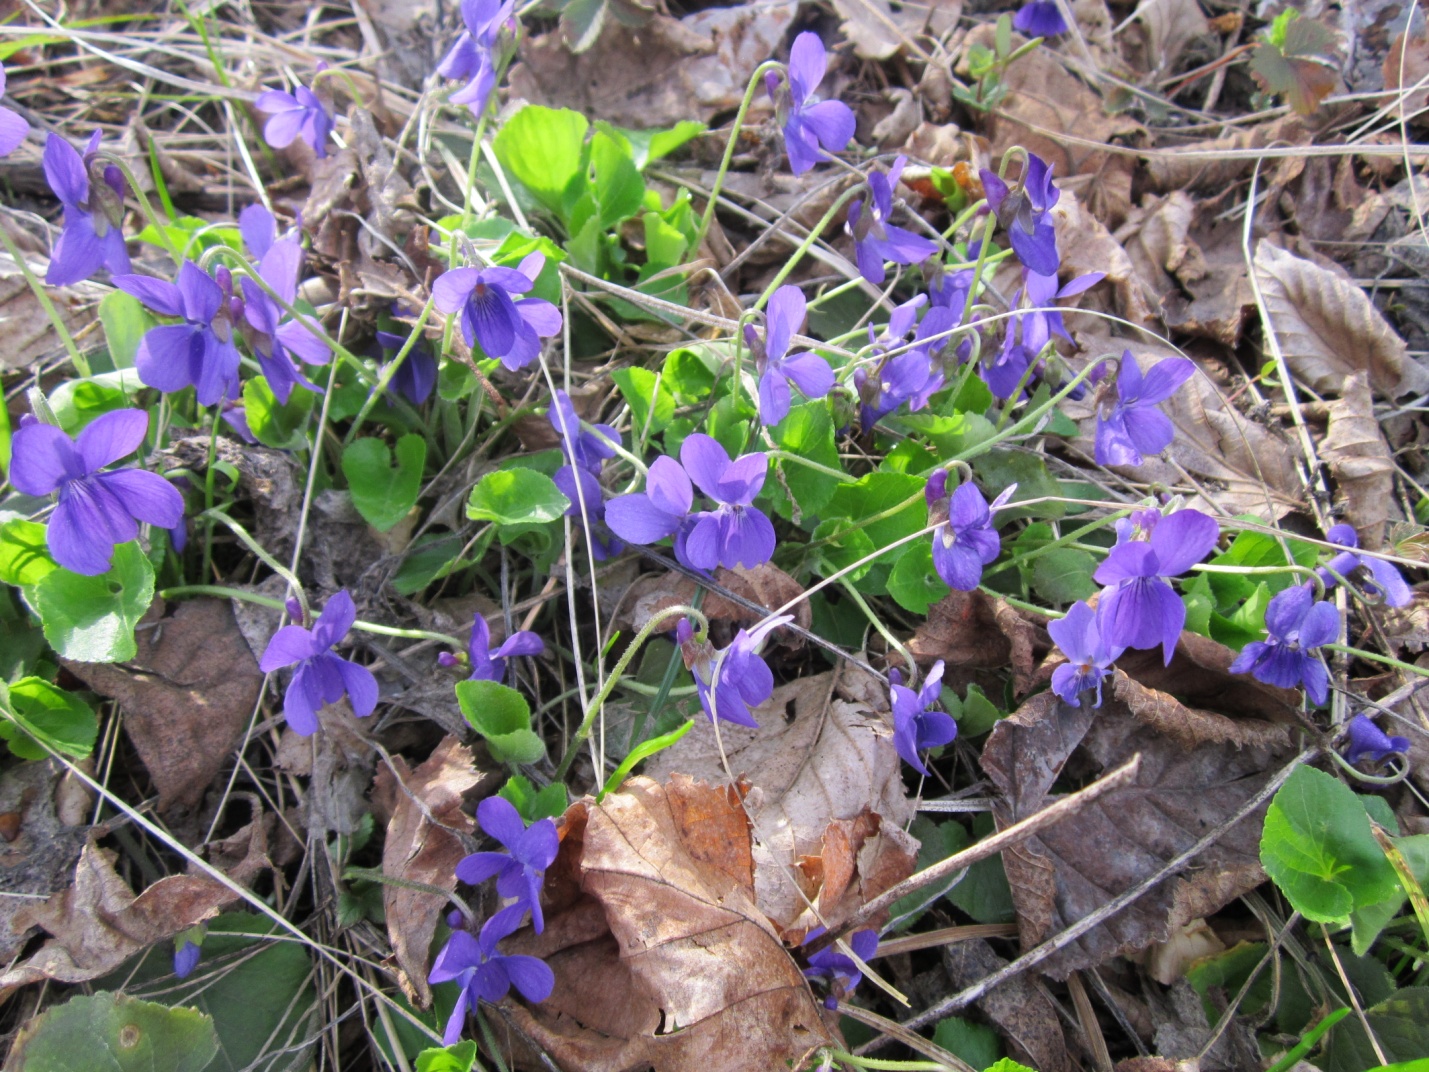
(1209, 171)
(1328, 329)
(1087, 246)
(767, 585)
(869, 26)
(1406, 66)
(1169, 27)
(1355, 450)
(39, 848)
(1167, 961)
(29, 334)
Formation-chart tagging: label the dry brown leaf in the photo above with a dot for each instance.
(416, 850)
(1405, 66)
(1167, 27)
(1087, 246)
(187, 695)
(1021, 1007)
(1328, 329)
(98, 923)
(1209, 171)
(877, 32)
(976, 631)
(39, 848)
(660, 955)
(338, 761)
(29, 334)
(815, 761)
(1355, 450)
(1197, 767)
(766, 585)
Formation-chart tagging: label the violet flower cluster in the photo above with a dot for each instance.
(1296, 625)
(965, 539)
(14, 128)
(299, 114)
(1082, 638)
(473, 59)
(777, 368)
(917, 724)
(586, 452)
(1365, 741)
(488, 665)
(92, 193)
(731, 681)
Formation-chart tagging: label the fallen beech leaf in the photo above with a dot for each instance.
(1087, 246)
(660, 955)
(973, 630)
(1168, 26)
(416, 850)
(1198, 767)
(819, 765)
(39, 857)
(29, 333)
(98, 923)
(187, 695)
(1405, 67)
(1355, 450)
(1328, 329)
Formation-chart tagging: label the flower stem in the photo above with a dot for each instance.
(807, 244)
(754, 82)
(388, 372)
(268, 560)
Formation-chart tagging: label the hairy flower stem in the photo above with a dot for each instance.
(806, 245)
(294, 585)
(755, 81)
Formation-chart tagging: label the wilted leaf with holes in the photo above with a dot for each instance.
(114, 1031)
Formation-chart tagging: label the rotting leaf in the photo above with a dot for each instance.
(976, 631)
(1328, 329)
(417, 850)
(187, 695)
(1197, 767)
(660, 955)
(97, 924)
(1021, 1008)
(39, 850)
(1354, 448)
(766, 585)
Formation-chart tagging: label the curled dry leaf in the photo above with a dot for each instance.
(661, 957)
(187, 695)
(418, 850)
(1355, 450)
(339, 761)
(1167, 28)
(1087, 246)
(976, 631)
(29, 333)
(98, 923)
(828, 802)
(1197, 767)
(38, 846)
(767, 585)
(1328, 329)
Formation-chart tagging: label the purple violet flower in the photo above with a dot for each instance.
(485, 974)
(662, 509)
(911, 376)
(96, 510)
(92, 193)
(1384, 581)
(965, 541)
(841, 971)
(1041, 18)
(321, 677)
(1296, 626)
(472, 59)
(1026, 214)
(579, 479)
(916, 725)
(236, 417)
(198, 353)
(1142, 610)
(300, 114)
(776, 366)
(736, 533)
(186, 958)
(1129, 425)
(14, 129)
(274, 340)
(1089, 657)
(507, 329)
(417, 376)
(521, 869)
(488, 665)
(875, 239)
(745, 680)
(807, 121)
(1368, 741)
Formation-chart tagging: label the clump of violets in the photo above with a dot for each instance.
(322, 677)
(508, 328)
(1025, 212)
(744, 679)
(917, 724)
(97, 508)
(1041, 18)
(485, 974)
(1366, 741)
(777, 368)
(875, 239)
(1129, 424)
(1140, 609)
(965, 539)
(488, 665)
(521, 869)
(473, 59)
(1089, 657)
(838, 970)
(1029, 332)
(300, 114)
(1379, 579)
(92, 193)
(809, 124)
(1296, 626)
(199, 352)
(586, 451)
(14, 128)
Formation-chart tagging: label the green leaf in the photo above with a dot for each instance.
(24, 556)
(107, 1032)
(433, 556)
(1200, 604)
(581, 23)
(977, 714)
(542, 148)
(1318, 848)
(1246, 624)
(1064, 575)
(1000, 469)
(532, 805)
(274, 425)
(690, 374)
(984, 893)
(640, 388)
(4, 442)
(936, 842)
(1007, 1064)
(77, 402)
(1296, 61)
(36, 711)
(729, 423)
(1367, 921)
(458, 1058)
(647, 146)
(875, 494)
(807, 432)
(846, 545)
(516, 501)
(384, 495)
(92, 619)
(914, 583)
(977, 1044)
(125, 321)
(1400, 1024)
(618, 187)
(503, 718)
(949, 434)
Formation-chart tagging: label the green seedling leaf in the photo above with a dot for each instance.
(1318, 848)
(1007, 1064)
(384, 495)
(274, 425)
(1296, 61)
(107, 1032)
(533, 805)
(642, 390)
(615, 180)
(914, 583)
(976, 714)
(638, 754)
(36, 713)
(1000, 469)
(1064, 575)
(1200, 604)
(24, 556)
(458, 1058)
(984, 893)
(542, 149)
(503, 718)
(648, 146)
(5, 436)
(125, 321)
(1400, 1024)
(516, 501)
(1246, 624)
(92, 619)
(807, 432)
